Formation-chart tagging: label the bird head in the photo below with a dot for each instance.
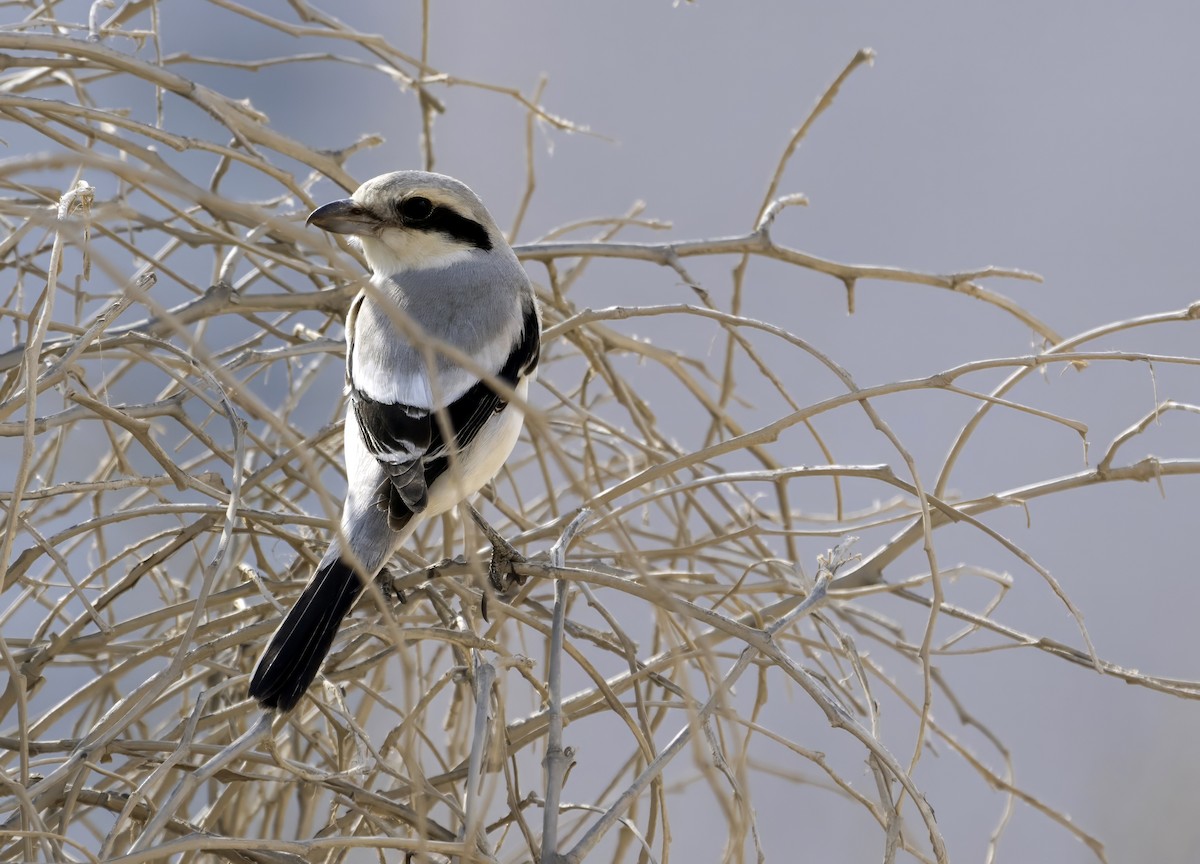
(412, 220)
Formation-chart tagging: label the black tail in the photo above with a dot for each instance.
(291, 661)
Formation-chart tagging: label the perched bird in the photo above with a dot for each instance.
(438, 262)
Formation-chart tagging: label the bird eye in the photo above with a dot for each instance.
(416, 209)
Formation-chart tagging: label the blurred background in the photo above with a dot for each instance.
(1056, 138)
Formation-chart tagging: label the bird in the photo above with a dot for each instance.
(422, 432)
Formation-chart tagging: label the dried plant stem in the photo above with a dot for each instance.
(176, 475)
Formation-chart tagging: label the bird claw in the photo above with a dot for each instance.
(502, 575)
(386, 582)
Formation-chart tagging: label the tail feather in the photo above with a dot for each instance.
(298, 647)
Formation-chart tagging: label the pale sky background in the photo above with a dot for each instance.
(1060, 138)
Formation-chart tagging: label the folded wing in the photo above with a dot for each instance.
(415, 443)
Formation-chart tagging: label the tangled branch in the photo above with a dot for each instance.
(176, 476)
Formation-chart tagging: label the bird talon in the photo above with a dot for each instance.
(386, 582)
(502, 575)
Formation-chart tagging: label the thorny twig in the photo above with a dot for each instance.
(128, 576)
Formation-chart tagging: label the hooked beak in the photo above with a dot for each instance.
(344, 217)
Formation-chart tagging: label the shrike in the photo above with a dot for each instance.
(438, 262)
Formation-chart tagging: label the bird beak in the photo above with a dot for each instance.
(344, 217)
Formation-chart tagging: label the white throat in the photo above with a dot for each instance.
(395, 251)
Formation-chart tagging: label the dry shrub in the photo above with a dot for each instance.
(173, 431)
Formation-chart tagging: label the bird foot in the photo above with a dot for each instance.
(386, 582)
(502, 575)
